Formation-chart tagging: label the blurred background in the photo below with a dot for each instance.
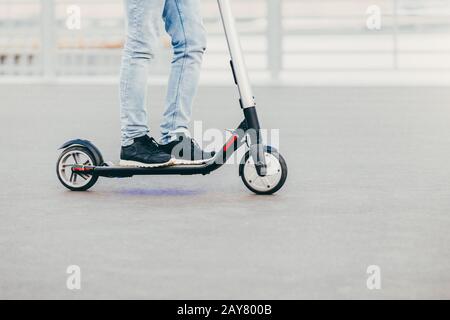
(285, 41)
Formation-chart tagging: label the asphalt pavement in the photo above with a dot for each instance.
(368, 184)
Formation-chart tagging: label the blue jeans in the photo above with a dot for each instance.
(183, 22)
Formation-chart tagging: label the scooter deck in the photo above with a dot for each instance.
(116, 171)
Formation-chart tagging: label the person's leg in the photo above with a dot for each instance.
(184, 24)
(143, 17)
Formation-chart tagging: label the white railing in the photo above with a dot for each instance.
(278, 36)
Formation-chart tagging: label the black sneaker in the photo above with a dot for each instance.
(144, 152)
(187, 151)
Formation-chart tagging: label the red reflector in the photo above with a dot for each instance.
(230, 143)
(81, 169)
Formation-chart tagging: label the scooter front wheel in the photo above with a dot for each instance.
(73, 156)
(274, 179)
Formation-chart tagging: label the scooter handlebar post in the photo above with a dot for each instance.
(237, 57)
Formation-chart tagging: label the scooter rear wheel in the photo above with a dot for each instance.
(276, 173)
(76, 155)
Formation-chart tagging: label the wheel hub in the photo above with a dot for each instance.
(69, 168)
(267, 182)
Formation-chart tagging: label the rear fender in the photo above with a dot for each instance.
(88, 145)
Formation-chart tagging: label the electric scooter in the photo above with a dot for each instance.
(263, 170)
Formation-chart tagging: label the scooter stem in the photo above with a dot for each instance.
(237, 57)
(243, 83)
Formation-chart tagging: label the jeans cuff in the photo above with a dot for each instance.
(173, 135)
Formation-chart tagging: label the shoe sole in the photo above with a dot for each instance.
(191, 162)
(130, 163)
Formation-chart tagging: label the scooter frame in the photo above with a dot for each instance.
(249, 128)
(238, 138)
